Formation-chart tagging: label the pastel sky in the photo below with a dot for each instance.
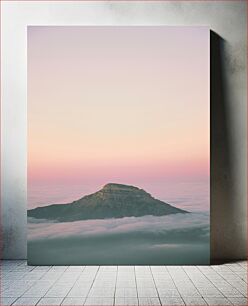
(125, 104)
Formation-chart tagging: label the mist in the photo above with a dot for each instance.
(172, 239)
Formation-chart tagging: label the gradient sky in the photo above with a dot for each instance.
(117, 104)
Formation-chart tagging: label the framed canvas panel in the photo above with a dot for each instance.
(118, 145)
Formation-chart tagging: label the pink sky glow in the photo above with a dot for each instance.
(126, 104)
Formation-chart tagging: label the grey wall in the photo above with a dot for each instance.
(227, 20)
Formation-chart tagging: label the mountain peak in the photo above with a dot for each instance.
(115, 186)
(112, 201)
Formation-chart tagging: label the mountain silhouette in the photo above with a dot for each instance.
(112, 201)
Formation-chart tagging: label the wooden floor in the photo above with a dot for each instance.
(123, 285)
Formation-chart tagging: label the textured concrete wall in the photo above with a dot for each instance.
(227, 20)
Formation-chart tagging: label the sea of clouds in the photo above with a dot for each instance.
(172, 239)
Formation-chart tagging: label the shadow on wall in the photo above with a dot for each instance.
(223, 225)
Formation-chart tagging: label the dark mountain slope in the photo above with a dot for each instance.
(112, 201)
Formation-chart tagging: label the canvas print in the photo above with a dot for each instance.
(118, 145)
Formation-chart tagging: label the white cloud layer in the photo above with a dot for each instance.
(174, 239)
